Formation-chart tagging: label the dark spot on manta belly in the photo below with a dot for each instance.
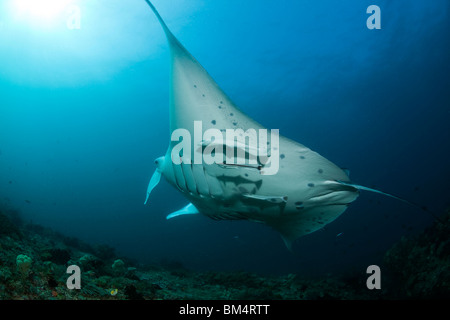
(310, 184)
(195, 86)
(282, 156)
(234, 123)
(213, 122)
(231, 114)
(203, 95)
(320, 171)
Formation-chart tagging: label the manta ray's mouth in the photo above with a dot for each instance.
(337, 195)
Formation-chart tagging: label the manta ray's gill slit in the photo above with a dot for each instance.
(194, 179)
(207, 183)
(184, 178)
(177, 179)
(197, 184)
(189, 178)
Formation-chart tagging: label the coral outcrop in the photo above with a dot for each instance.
(34, 261)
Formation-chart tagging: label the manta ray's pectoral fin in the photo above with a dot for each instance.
(189, 209)
(359, 187)
(287, 243)
(423, 208)
(347, 171)
(311, 219)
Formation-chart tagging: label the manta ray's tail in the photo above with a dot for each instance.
(423, 208)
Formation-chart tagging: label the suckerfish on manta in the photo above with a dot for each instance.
(302, 194)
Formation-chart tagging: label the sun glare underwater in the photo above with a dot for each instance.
(47, 9)
(84, 112)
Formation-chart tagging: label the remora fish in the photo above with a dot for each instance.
(306, 193)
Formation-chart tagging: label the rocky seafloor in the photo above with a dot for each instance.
(34, 262)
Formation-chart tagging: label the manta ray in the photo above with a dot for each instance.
(306, 193)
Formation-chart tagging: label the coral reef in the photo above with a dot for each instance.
(23, 263)
(118, 267)
(34, 261)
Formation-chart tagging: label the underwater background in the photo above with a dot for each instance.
(84, 113)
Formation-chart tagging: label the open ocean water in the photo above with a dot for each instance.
(84, 91)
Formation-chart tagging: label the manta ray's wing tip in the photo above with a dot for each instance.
(288, 243)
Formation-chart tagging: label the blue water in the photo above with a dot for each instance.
(84, 112)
